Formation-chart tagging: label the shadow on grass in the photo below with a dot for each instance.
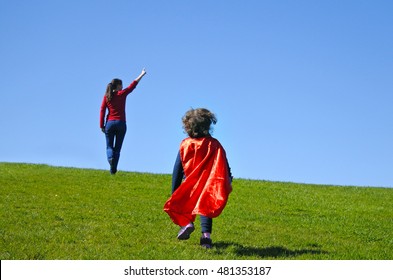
(268, 252)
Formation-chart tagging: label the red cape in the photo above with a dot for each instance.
(207, 183)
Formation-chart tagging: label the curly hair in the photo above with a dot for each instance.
(196, 122)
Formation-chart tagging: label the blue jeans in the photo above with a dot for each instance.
(115, 131)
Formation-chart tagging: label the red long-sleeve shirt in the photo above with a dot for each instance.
(117, 106)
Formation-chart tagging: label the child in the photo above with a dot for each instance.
(202, 163)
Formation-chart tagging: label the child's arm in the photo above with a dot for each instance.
(178, 173)
(229, 171)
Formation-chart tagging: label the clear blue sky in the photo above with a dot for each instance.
(303, 90)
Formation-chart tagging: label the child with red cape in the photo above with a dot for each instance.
(201, 180)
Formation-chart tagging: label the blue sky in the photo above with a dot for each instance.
(302, 89)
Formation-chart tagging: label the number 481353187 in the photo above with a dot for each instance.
(244, 270)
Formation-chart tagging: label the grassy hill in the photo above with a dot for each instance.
(74, 214)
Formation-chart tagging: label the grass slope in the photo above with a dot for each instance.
(75, 214)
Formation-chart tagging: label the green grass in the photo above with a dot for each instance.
(77, 214)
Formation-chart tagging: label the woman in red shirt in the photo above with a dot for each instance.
(114, 125)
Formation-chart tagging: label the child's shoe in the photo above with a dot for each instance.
(206, 242)
(185, 232)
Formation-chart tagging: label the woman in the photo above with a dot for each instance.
(203, 165)
(114, 125)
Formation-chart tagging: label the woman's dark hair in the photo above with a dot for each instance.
(111, 88)
(196, 122)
